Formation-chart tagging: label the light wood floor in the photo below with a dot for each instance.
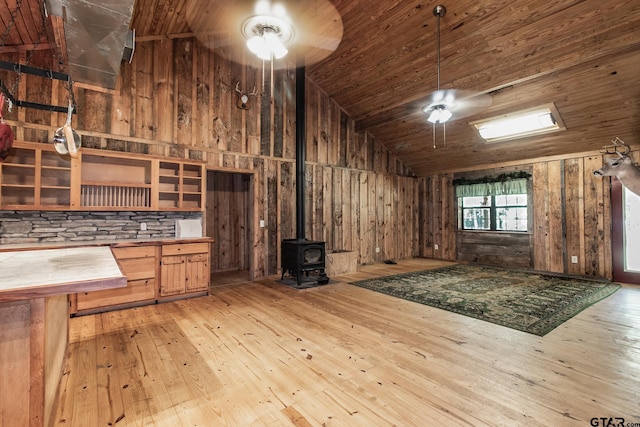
(259, 353)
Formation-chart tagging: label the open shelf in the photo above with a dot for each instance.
(180, 185)
(34, 176)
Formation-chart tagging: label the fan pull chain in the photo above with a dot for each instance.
(434, 136)
(444, 134)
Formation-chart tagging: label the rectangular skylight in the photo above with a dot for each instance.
(519, 124)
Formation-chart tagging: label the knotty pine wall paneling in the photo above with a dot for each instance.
(569, 212)
(571, 217)
(164, 105)
(228, 202)
(597, 220)
(139, 120)
(177, 98)
(574, 219)
(437, 217)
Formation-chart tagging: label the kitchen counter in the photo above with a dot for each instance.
(34, 316)
(116, 243)
(49, 272)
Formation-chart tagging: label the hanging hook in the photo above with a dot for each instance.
(70, 95)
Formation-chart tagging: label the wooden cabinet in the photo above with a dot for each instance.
(180, 185)
(184, 269)
(34, 176)
(138, 263)
(155, 271)
(110, 181)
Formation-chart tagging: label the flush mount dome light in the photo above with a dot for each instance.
(268, 35)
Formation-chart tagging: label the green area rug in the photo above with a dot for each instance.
(529, 302)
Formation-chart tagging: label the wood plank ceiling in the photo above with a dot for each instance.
(581, 55)
(27, 29)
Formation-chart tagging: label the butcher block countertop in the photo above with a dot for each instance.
(48, 272)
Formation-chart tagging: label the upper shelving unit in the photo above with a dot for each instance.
(180, 185)
(35, 177)
(110, 181)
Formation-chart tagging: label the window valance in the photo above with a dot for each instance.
(512, 183)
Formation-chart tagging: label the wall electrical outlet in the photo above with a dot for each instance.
(262, 223)
(377, 250)
(436, 246)
(143, 226)
(574, 259)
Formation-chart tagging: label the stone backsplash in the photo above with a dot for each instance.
(72, 226)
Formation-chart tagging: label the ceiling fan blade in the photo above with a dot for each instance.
(461, 103)
(218, 24)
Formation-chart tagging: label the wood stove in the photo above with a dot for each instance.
(300, 256)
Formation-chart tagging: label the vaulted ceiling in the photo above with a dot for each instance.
(581, 55)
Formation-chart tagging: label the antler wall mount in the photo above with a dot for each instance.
(243, 97)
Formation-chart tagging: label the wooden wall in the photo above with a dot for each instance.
(177, 98)
(227, 214)
(571, 217)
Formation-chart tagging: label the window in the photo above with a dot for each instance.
(476, 211)
(511, 212)
(493, 206)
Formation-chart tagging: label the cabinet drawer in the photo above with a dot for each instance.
(138, 268)
(136, 290)
(134, 252)
(198, 258)
(185, 248)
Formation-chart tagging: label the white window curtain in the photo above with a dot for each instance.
(512, 186)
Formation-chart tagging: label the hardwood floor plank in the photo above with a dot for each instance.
(110, 406)
(260, 353)
(86, 389)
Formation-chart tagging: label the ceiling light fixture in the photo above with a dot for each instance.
(268, 32)
(449, 104)
(439, 106)
(439, 114)
(521, 124)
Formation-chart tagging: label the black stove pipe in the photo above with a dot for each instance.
(300, 151)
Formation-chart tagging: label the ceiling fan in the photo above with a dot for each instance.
(445, 105)
(252, 32)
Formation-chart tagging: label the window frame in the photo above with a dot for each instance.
(493, 214)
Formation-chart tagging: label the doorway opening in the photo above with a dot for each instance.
(228, 221)
(625, 215)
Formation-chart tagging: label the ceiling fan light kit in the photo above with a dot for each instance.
(450, 104)
(269, 32)
(437, 109)
(438, 114)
